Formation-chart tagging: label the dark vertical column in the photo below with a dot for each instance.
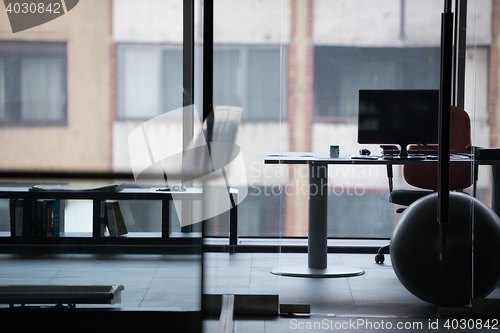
(188, 52)
(208, 57)
(165, 218)
(495, 188)
(208, 64)
(233, 223)
(318, 195)
(97, 207)
(444, 123)
(460, 45)
(188, 90)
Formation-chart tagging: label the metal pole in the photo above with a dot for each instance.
(188, 97)
(460, 51)
(444, 124)
(318, 203)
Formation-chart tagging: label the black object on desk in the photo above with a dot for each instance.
(398, 117)
(364, 151)
(486, 153)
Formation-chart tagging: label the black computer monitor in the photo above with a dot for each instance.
(400, 117)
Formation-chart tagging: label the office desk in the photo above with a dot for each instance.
(318, 180)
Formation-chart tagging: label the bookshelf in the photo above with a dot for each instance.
(134, 242)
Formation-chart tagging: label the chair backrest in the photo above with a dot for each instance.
(461, 177)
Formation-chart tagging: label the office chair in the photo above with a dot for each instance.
(426, 176)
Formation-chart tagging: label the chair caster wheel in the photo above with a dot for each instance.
(379, 258)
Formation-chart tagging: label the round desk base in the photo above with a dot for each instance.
(329, 272)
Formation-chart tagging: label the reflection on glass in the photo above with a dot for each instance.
(70, 106)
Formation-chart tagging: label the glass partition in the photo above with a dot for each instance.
(337, 48)
(80, 97)
(481, 92)
(101, 117)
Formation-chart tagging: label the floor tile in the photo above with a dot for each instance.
(173, 282)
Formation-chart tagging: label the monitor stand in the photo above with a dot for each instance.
(403, 154)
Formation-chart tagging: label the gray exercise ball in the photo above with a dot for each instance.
(415, 253)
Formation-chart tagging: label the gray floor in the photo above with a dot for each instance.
(173, 282)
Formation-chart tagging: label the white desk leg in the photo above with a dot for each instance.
(318, 236)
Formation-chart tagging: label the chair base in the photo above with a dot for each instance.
(379, 257)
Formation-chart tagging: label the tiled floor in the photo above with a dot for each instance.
(150, 281)
(173, 282)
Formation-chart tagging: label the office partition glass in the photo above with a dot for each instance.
(89, 100)
(480, 102)
(249, 73)
(337, 48)
(329, 50)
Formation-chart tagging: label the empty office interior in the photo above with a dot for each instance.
(111, 92)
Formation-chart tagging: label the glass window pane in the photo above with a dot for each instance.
(140, 82)
(340, 72)
(173, 89)
(42, 89)
(228, 78)
(264, 83)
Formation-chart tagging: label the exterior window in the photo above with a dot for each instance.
(33, 83)
(149, 81)
(172, 80)
(228, 78)
(42, 89)
(340, 72)
(249, 77)
(264, 83)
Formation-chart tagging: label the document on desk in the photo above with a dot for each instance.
(56, 187)
(364, 157)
